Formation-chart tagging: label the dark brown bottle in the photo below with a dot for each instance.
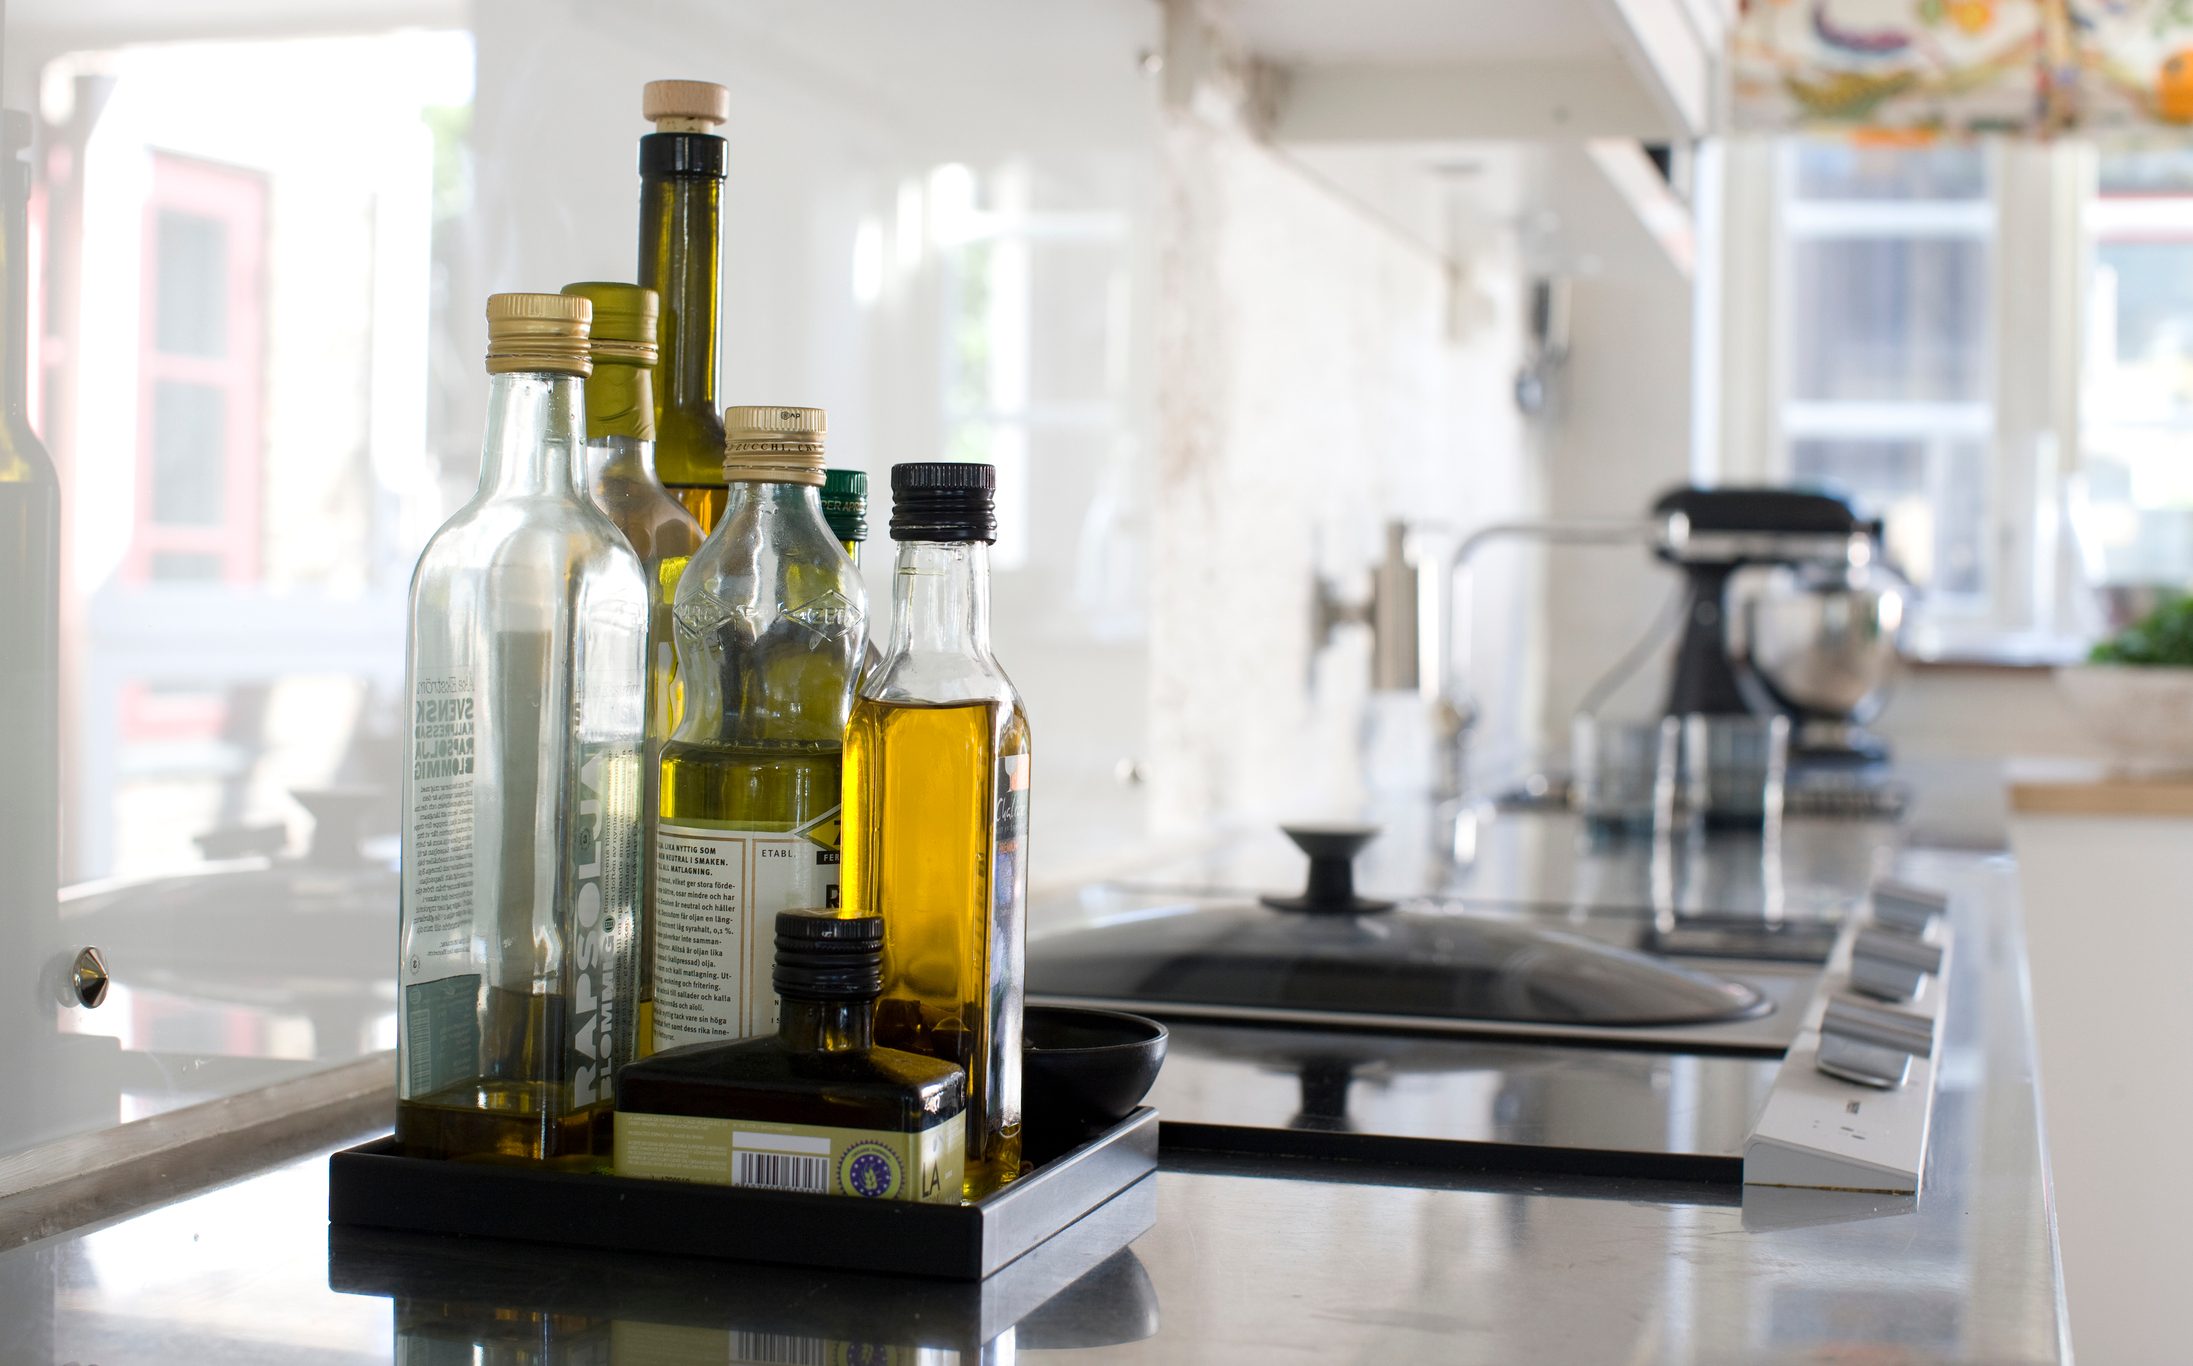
(817, 1107)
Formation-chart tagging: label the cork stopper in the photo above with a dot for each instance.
(538, 332)
(623, 329)
(685, 106)
(774, 445)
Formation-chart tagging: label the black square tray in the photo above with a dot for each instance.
(375, 1186)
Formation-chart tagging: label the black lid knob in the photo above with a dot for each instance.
(1331, 890)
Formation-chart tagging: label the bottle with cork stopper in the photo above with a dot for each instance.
(524, 676)
(681, 245)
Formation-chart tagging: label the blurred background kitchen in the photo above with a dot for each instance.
(1223, 289)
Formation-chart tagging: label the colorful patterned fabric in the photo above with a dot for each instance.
(1912, 70)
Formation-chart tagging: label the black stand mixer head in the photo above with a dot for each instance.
(1711, 534)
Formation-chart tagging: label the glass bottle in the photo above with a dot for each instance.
(771, 622)
(526, 672)
(42, 1099)
(936, 781)
(845, 509)
(620, 477)
(814, 1107)
(681, 253)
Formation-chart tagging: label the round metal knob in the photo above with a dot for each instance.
(88, 979)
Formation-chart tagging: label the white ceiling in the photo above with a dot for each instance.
(1333, 32)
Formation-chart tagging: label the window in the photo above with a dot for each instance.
(198, 448)
(2132, 512)
(1888, 383)
(1990, 346)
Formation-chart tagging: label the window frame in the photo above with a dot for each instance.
(236, 198)
(2031, 609)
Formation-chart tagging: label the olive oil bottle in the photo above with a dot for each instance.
(771, 623)
(524, 667)
(845, 508)
(936, 778)
(681, 259)
(815, 1107)
(620, 477)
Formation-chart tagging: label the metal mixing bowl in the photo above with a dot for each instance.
(1823, 640)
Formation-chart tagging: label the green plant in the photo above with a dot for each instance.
(2162, 637)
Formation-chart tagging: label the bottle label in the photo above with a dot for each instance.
(603, 982)
(437, 848)
(717, 894)
(440, 1036)
(875, 1164)
(1009, 875)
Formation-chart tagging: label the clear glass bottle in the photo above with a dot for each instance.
(814, 1107)
(771, 624)
(620, 478)
(936, 799)
(681, 259)
(525, 669)
(43, 1099)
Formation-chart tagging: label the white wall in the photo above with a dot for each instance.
(1620, 437)
(841, 118)
(1323, 370)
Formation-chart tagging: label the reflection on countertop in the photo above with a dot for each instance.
(1249, 1259)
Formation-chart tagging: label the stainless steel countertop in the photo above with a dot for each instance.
(1246, 1261)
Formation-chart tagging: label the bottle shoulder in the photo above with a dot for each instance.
(495, 547)
(778, 562)
(922, 678)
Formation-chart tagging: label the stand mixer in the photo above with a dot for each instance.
(1789, 609)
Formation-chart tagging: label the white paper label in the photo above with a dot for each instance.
(437, 848)
(717, 894)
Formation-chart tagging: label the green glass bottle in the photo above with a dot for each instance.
(771, 625)
(681, 250)
(815, 1107)
(845, 508)
(619, 475)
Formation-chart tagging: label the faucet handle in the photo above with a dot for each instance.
(1331, 889)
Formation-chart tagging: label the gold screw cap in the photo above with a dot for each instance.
(774, 445)
(685, 106)
(623, 329)
(538, 332)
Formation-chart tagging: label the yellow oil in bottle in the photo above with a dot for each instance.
(704, 501)
(934, 794)
(522, 1116)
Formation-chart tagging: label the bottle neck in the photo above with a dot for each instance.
(852, 551)
(620, 401)
(806, 1026)
(681, 232)
(771, 500)
(15, 325)
(940, 598)
(536, 424)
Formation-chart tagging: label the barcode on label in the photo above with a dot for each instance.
(781, 1172)
(778, 1349)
